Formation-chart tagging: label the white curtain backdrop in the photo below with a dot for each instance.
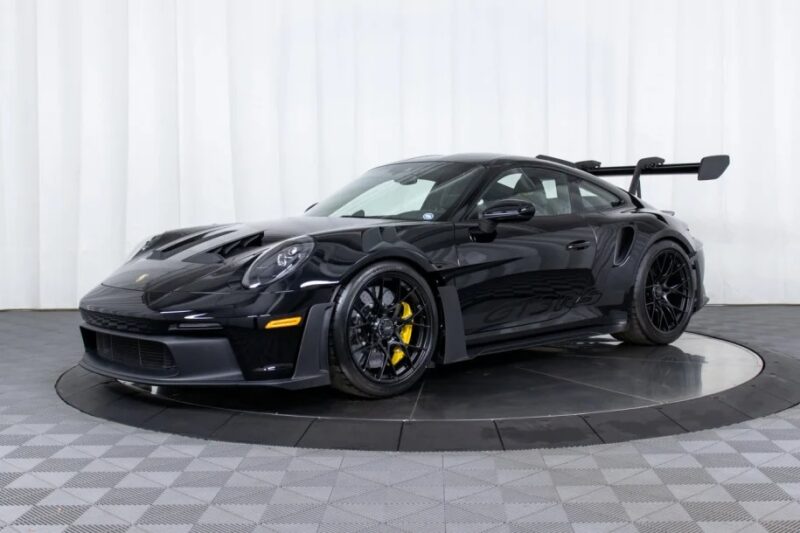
(119, 119)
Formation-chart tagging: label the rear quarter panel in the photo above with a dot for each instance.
(616, 274)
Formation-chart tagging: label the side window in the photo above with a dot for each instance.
(551, 192)
(547, 190)
(502, 187)
(594, 198)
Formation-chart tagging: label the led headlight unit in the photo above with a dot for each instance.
(277, 262)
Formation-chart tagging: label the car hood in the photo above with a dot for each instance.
(212, 259)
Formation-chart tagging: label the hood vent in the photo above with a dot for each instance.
(185, 243)
(245, 244)
(219, 254)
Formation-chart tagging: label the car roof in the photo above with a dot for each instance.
(472, 157)
(489, 159)
(496, 160)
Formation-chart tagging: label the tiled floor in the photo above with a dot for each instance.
(61, 469)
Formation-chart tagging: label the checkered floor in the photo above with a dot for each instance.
(63, 470)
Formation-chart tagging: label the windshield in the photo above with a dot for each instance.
(406, 191)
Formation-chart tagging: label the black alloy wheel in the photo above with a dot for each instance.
(385, 331)
(662, 298)
(667, 291)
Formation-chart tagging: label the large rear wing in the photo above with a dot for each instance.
(709, 168)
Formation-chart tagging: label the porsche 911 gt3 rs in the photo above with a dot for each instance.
(431, 260)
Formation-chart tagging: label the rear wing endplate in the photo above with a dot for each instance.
(709, 168)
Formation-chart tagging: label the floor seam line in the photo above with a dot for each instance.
(416, 401)
(687, 430)
(400, 435)
(300, 438)
(653, 402)
(499, 436)
(592, 428)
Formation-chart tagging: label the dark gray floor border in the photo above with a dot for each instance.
(776, 388)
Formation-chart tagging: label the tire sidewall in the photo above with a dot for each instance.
(655, 335)
(339, 338)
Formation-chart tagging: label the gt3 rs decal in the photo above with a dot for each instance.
(539, 307)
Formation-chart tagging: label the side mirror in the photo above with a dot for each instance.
(508, 211)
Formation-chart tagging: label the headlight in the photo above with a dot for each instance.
(277, 262)
(142, 247)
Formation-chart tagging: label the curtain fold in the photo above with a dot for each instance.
(119, 119)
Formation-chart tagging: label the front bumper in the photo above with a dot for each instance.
(120, 343)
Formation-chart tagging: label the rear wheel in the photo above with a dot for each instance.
(385, 328)
(663, 296)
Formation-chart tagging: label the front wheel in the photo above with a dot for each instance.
(663, 296)
(385, 329)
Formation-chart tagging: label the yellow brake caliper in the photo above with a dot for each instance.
(405, 335)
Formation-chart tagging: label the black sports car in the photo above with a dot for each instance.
(425, 261)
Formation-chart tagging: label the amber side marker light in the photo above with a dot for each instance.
(284, 322)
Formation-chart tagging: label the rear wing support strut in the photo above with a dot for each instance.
(635, 187)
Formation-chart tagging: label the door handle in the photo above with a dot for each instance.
(578, 245)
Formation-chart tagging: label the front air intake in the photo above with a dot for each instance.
(129, 352)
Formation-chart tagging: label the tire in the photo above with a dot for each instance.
(661, 304)
(371, 320)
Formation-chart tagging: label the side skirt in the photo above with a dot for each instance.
(543, 339)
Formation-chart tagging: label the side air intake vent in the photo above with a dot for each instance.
(624, 245)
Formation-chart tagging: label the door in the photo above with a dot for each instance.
(525, 277)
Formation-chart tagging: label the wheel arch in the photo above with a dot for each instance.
(452, 341)
(414, 261)
(677, 239)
